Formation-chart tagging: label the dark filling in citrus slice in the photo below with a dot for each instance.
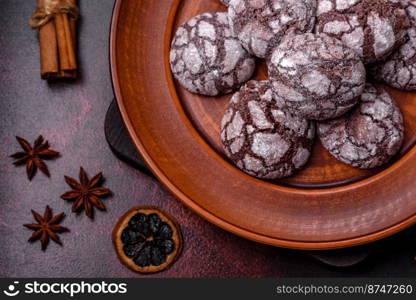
(147, 240)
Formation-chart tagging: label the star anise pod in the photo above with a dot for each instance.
(33, 156)
(86, 193)
(47, 227)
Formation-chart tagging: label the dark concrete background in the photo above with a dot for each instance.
(71, 116)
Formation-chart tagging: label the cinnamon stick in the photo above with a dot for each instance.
(73, 27)
(49, 62)
(57, 39)
(72, 74)
(65, 43)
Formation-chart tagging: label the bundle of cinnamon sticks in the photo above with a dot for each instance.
(57, 38)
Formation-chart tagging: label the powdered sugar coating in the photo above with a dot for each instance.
(261, 24)
(316, 76)
(373, 28)
(260, 138)
(399, 70)
(207, 59)
(370, 135)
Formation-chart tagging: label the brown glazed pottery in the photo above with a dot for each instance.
(327, 205)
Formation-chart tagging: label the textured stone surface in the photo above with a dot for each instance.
(316, 76)
(370, 135)
(260, 138)
(373, 28)
(71, 116)
(207, 59)
(399, 70)
(260, 25)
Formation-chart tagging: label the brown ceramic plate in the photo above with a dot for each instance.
(327, 205)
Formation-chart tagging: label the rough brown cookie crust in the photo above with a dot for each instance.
(260, 138)
(373, 28)
(207, 59)
(399, 70)
(370, 135)
(316, 76)
(261, 24)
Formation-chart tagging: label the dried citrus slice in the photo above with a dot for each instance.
(147, 239)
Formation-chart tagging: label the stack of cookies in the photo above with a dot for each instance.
(322, 56)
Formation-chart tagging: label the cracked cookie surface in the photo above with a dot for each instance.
(373, 28)
(225, 2)
(261, 24)
(316, 76)
(370, 135)
(207, 59)
(261, 139)
(399, 70)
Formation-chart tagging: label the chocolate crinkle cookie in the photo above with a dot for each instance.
(399, 70)
(316, 76)
(373, 28)
(261, 139)
(207, 59)
(261, 24)
(370, 135)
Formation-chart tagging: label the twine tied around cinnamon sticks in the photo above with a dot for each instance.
(48, 9)
(56, 21)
